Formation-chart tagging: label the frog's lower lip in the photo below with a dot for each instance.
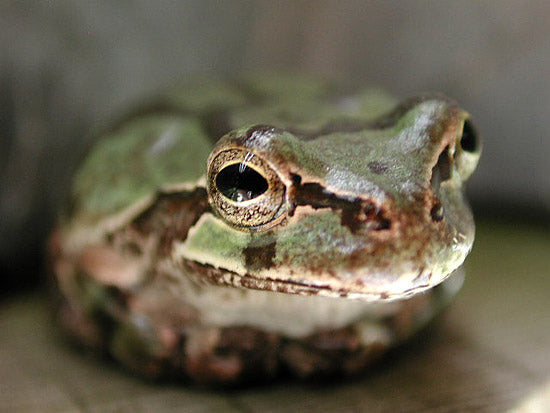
(224, 277)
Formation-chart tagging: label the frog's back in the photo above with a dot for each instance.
(137, 159)
(167, 144)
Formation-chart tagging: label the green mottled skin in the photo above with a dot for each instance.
(136, 169)
(316, 236)
(134, 162)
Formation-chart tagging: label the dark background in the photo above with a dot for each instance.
(67, 65)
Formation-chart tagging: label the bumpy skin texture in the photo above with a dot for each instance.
(339, 258)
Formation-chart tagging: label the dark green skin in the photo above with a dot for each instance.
(363, 216)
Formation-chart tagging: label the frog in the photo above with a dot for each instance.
(237, 231)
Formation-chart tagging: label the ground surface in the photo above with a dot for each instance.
(487, 354)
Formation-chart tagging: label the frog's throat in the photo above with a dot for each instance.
(299, 316)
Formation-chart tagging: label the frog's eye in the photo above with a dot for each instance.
(245, 190)
(469, 141)
(467, 150)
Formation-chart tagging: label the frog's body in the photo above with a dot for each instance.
(329, 214)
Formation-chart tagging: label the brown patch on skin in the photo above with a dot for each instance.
(171, 217)
(375, 217)
(378, 167)
(260, 256)
(356, 214)
(349, 218)
(317, 196)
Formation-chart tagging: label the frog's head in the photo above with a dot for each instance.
(373, 211)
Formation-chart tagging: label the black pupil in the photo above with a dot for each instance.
(240, 183)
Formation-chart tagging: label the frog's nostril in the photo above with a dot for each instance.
(437, 212)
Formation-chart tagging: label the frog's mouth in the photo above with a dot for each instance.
(219, 276)
(205, 273)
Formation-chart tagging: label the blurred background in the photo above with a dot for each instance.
(66, 66)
